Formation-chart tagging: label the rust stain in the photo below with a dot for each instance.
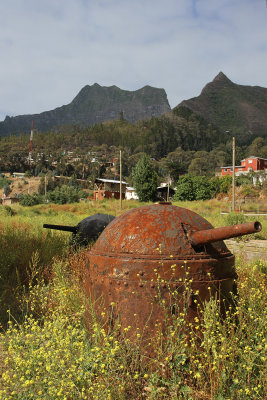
(148, 252)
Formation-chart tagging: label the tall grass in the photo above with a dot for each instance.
(48, 352)
(52, 354)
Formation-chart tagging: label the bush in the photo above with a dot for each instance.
(8, 211)
(203, 188)
(4, 181)
(185, 189)
(28, 174)
(7, 189)
(235, 218)
(65, 194)
(249, 191)
(190, 187)
(31, 200)
(225, 183)
(243, 180)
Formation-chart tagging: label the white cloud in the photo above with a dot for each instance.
(51, 49)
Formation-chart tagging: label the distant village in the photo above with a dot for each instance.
(108, 188)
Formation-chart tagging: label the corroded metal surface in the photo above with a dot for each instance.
(213, 235)
(145, 256)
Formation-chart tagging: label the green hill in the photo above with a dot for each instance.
(242, 110)
(94, 104)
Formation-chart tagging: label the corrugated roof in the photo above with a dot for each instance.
(109, 180)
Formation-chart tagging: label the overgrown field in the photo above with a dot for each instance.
(46, 351)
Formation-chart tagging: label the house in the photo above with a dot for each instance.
(18, 175)
(249, 164)
(7, 201)
(108, 189)
(131, 193)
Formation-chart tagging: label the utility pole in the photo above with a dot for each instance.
(168, 192)
(233, 176)
(120, 183)
(30, 146)
(45, 187)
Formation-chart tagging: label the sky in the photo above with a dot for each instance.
(51, 49)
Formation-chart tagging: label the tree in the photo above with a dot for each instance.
(176, 163)
(31, 199)
(145, 180)
(185, 189)
(190, 187)
(203, 188)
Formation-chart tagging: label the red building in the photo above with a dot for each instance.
(249, 164)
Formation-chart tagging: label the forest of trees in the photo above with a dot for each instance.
(177, 143)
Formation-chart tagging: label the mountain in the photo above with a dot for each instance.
(242, 110)
(94, 104)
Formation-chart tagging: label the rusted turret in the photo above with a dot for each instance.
(152, 251)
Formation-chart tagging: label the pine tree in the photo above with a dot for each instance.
(145, 180)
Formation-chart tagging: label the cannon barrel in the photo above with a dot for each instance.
(66, 228)
(227, 232)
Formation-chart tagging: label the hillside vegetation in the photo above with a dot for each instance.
(238, 108)
(94, 104)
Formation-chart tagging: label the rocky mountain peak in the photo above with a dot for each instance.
(92, 105)
(221, 77)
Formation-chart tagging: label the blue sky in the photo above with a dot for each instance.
(50, 49)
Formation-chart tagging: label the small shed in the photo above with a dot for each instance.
(131, 193)
(7, 201)
(163, 192)
(108, 189)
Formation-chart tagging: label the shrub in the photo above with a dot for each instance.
(65, 194)
(225, 184)
(7, 189)
(185, 189)
(31, 199)
(249, 191)
(234, 218)
(190, 187)
(203, 187)
(28, 174)
(4, 181)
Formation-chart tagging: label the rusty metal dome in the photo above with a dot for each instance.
(143, 230)
(153, 250)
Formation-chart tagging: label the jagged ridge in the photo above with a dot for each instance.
(92, 105)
